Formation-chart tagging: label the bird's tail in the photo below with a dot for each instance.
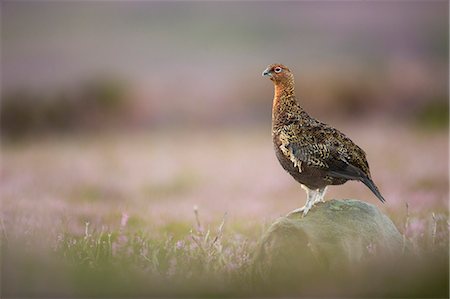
(351, 172)
(371, 185)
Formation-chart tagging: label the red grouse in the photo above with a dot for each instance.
(314, 153)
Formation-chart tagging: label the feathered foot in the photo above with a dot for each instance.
(299, 210)
(312, 197)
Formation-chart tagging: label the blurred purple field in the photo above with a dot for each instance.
(118, 118)
(158, 177)
(184, 64)
(57, 194)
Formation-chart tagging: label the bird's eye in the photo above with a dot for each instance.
(277, 69)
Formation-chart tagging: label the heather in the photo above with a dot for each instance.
(136, 151)
(96, 216)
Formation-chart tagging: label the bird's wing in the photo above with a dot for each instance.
(335, 161)
(324, 147)
(319, 155)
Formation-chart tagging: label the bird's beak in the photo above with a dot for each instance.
(267, 73)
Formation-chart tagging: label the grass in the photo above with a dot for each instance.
(100, 217)
(210, 262)
(126, 262)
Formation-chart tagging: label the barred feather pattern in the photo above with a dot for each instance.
(314, 153)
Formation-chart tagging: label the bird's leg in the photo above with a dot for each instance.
(308, 198)
(295, 211)
(313, 196)
(310, 201)
(320, 195)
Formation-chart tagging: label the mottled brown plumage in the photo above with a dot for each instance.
(313, 153)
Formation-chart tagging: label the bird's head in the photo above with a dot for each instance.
(279, 74)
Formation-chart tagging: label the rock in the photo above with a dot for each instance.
(334, 234)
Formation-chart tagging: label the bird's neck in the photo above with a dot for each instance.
(285, 105)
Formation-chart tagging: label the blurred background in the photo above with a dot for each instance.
(80, 66)
(144, 100)
(146, 109)
(170, 96)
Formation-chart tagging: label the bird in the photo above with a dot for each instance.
(315, 154)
